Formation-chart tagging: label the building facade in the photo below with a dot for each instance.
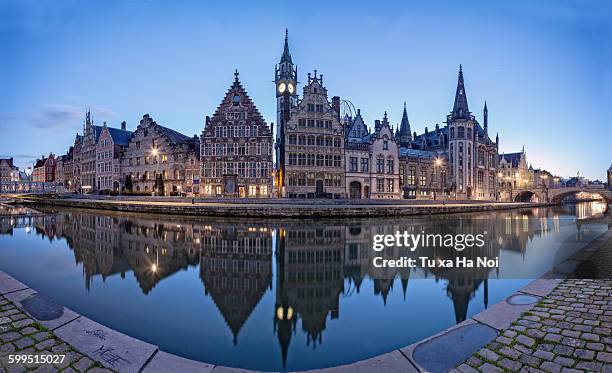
(314, 145)
(457, 161)
(110, 147)
(91, 133)
(44, 169)
(236, 149)
(372, 160)
(156, 157)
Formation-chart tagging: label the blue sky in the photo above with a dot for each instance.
(544, 67)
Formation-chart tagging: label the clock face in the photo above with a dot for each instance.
(282, 87)
(291, 88)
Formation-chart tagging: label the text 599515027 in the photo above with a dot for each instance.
(36, 359)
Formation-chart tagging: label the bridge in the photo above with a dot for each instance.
(31, 187)
(556, 195)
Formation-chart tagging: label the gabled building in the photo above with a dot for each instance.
(44, 169)
(157, 159)
(314, 145)
(110, 147)
(457, 161)
(236, 148)
(372, 164)
(91, 133)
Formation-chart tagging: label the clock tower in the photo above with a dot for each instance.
(285, 79)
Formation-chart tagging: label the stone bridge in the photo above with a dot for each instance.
(556, 195)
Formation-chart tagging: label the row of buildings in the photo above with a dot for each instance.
(318, 152)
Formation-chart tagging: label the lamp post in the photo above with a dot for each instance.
(155, 152)
(437, 164)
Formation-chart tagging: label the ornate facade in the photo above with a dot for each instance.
(156, 158)
(110, 147)
(458, 160)
(372, 164)
(236, 148)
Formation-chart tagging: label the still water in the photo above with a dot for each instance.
(279, 294)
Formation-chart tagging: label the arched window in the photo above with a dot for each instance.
(460, 132)
(177, 174)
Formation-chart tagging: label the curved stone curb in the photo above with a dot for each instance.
(111, 348)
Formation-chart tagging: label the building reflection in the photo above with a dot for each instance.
(317, 262)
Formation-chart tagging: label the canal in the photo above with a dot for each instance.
(280, 294)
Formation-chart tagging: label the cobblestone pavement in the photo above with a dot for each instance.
(570, 330)
(20, 335)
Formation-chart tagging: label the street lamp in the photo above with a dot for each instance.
(437, 163)
(155, 152)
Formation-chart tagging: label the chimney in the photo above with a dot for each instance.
(123, 125)
(336, 105)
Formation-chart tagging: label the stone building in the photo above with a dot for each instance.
(156, 157)
(236, 148)
(110, 147)
(68, 170)
(6, 170)
(44, 169)
(462, 147)
(76, 163)
(514, 172)
(91, 133)
(314, 145)
(610, 177)
(372, 164)
(310, 137)
(59, 170)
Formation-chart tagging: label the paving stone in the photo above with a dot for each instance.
(590, 337)
(570, 333)
(40, 336)
(584, 354)
(565, 361)
(595, 346)
(83, 364)
(474, 361)
(46, 344)
(22, 323)
(464, 368)
(530, 360)
(509, 333)
(589, 366)
(606, 357)
(510, 352)
(573, 342)
(488, 354)
(488, 368)
(10, 336)
(504, 340)
(24, 342)
(58, 349)
(550, 367)
(551, 337)
(527, 341)
(563, 350)
(546, 355)
(511, 365)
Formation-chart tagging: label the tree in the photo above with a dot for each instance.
(128, 182)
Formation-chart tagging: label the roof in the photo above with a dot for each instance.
(513, 158)
(40, 162)
(174, 136)
(119, 136)
(417, 153)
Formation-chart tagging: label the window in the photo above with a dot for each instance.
(422, 178)
(263, 190)
(311, 140)
(461, 132)
(380, 185)
(390, 185)
(390, 166)
(337, 142)
(365, 165)
(292, 139)
(319, 108)
(380, 165)
(386, 145)
(236, 100)
(302, 122)
(353, 164)
(252, 190)
(310, 108)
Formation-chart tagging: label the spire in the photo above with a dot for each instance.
(486, 118)
(236, 73)
(286, 57)
(497, 140)
(405, 136)
(460, 108)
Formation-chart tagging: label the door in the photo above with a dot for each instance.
(355, 190)
(319, 188)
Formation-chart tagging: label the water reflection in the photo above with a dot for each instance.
(309, 266)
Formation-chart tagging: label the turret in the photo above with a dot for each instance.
(405, 138)
(460, 107)
(486, 120)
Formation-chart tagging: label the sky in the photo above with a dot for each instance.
(544, 67)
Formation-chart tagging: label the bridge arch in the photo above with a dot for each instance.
(558, 197)
(526, 196)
